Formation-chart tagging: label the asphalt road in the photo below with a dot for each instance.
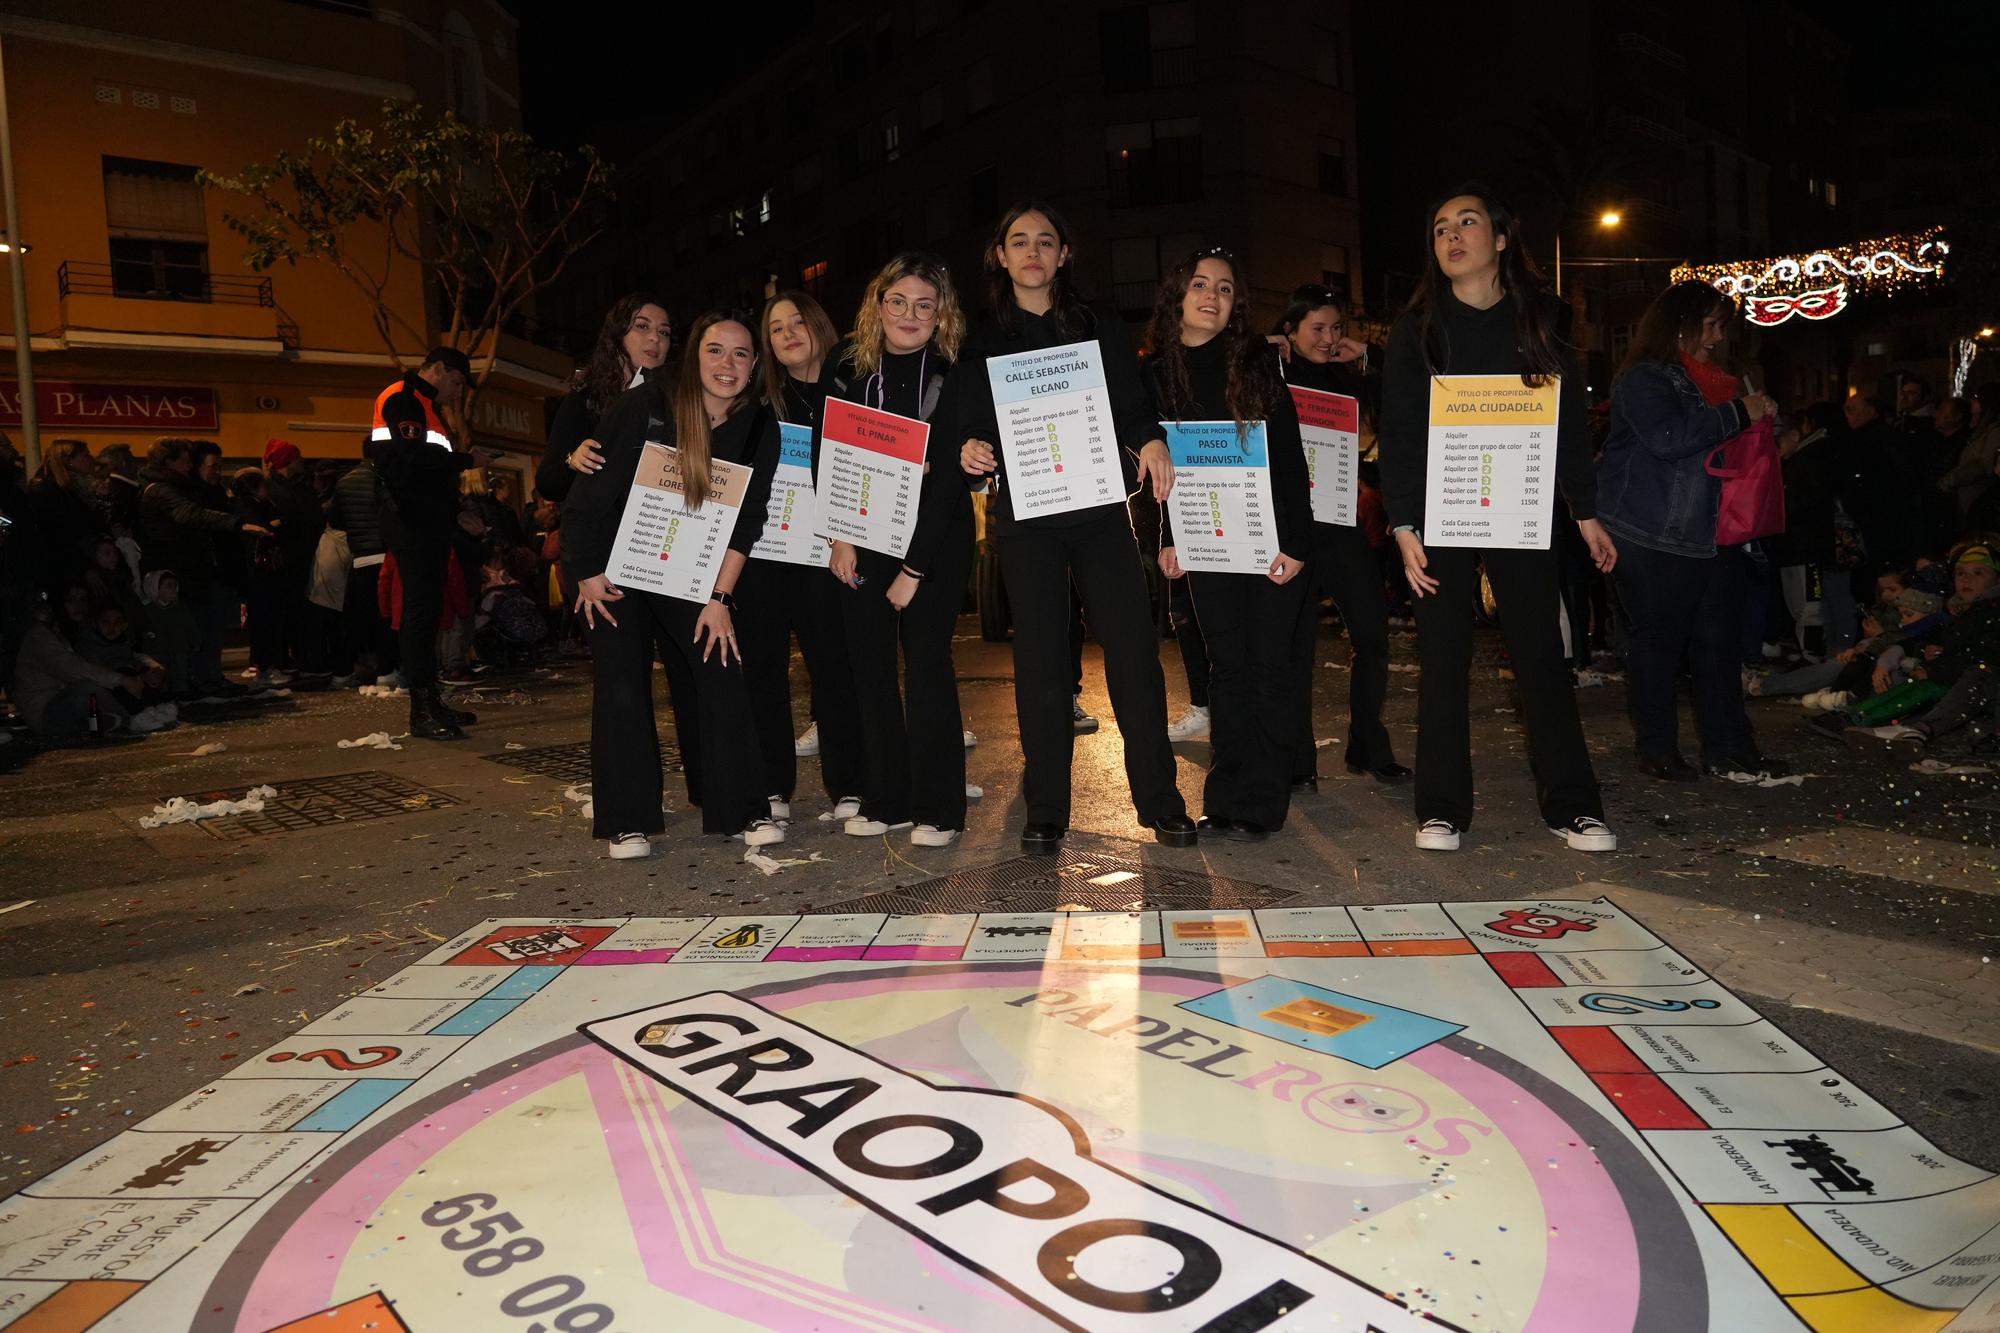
(1859, 910)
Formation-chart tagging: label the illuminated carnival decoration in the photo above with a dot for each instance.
(1818, 284)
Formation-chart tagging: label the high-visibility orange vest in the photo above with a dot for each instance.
(434, 431)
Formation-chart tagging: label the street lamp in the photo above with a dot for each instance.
(1607, 220)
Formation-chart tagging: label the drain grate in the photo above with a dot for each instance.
(344, 798)
(571, 763)
(1044, 884)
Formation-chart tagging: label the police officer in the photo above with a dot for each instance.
(411, 449)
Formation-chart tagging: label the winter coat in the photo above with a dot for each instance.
(177, 531)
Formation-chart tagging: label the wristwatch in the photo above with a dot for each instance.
(728, 602)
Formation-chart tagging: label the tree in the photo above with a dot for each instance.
(487, 216)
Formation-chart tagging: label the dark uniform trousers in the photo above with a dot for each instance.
(625, 740)
(1524, 584)
(913, 738)
(1249, 623)
(1102, 559)
(422, 561)
(1342, 565)
(775, 601)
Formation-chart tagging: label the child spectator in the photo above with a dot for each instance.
(509, 622)
(57, 690)
(110, 583)
(1912, 615)
(172, 636)
(1958, 674)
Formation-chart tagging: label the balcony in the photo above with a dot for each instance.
(180, 307)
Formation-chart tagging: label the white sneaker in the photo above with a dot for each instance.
(847, 807)
(858, 827)
(1586, 833)
(930, 835)
(808, 742)
(1437, 835)
(392, 681)
(1190, 726)
(247, 673)
(630, 847)
(973, 791)
(761, 833)
(148, 719)
(970, 740)
(1080, 722)
(780, 808)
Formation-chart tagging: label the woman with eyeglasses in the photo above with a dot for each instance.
(906, 336)
(712, 413)
(1207, 366)
(1318, 354)
(1481, 310)
(780, 599)
(1034, 305)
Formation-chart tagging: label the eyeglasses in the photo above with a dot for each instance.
(923, 311)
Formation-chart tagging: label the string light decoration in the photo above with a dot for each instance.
(1817, 285)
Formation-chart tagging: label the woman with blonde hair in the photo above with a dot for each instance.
(899, 357)
(711, 413)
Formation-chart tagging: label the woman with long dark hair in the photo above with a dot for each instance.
(1673, 404)
(1033, 304)
(712, 413)
(781, 599)
(1207, 366)
(1341, 565)
(906, 335)
(1481, 310)
(635, 337)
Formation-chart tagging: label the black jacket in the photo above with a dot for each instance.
(419, 479)
(574, 423)
(944, 506)
(177, 531)
(357, 509)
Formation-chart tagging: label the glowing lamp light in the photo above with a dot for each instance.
(1610, 220)
(1986, 332)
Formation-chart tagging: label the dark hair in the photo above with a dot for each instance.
(1066, 307)
(246, 483)
(200, 449)
(1674, 319)
(450, 358)
(1251, 380)
(1541, 354)
(1918, 380)
(170, 449)
(609, 370)
(826, 343)
(1304, 300)
(519, 562)
(1823, 416)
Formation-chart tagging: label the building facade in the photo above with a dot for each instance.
(1156, 128)
(144, 318)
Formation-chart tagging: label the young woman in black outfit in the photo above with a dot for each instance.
(712, 412)
(1481, 310)
(906, 335)
(780, 599)
(1032, 306)
(1206, 366)
(1341, 565)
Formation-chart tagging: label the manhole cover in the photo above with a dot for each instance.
(1047, 884)
(571, 763)
(344, 798)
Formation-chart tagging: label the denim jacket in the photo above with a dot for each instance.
(1653, 487)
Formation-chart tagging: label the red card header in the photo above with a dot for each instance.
(875, 430)
(1328, 411)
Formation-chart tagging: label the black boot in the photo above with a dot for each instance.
(430, 720)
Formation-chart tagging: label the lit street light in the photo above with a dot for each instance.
(1606, 219)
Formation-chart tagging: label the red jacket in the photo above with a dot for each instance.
(389, 594)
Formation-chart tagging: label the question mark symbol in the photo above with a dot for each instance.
(341, 1060)
(1605, 1003)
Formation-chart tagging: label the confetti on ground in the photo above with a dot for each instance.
(181, 810)
(374, 740)
(771, 865)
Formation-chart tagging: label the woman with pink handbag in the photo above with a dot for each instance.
(1677, 440)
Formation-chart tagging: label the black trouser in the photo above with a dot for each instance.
(912, 741)
(1187, 633)
(1342, 566)
(324, 648)
(625, 739)
(1524, 583)
(422, 561)
(775, 601)
(1100, 557)
(1248, 623)
(266, 615)
(1076, 632)
(1684, 607)
(367, 634)
(682, 696)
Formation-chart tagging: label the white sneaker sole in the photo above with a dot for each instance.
(858, 827)
(762, 837)
(1588, 842)
(630, 851)
(780, 809)
(847, 808)
(1437, 842)
(933, 837)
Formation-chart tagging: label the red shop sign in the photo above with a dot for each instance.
(162, 409)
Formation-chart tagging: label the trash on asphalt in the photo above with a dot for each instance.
(180, 810)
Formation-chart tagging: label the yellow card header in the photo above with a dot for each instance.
(1491, 400)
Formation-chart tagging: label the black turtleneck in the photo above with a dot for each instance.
(1466, 341)
(1208, 400)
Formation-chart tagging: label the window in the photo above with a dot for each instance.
(158, 230)
(930, 110)
(982, 195)
(1170, 38)
(1832, 195)
(1333, 167)
(978, 87)
(1135, 275)
(764, 209)
(813, 278)
(1141, 47)
(850, 57)
(739, 221)
(1333, 267)
(1153, 162)
(892, 138)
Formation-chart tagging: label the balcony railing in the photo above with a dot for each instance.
(153, 282)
